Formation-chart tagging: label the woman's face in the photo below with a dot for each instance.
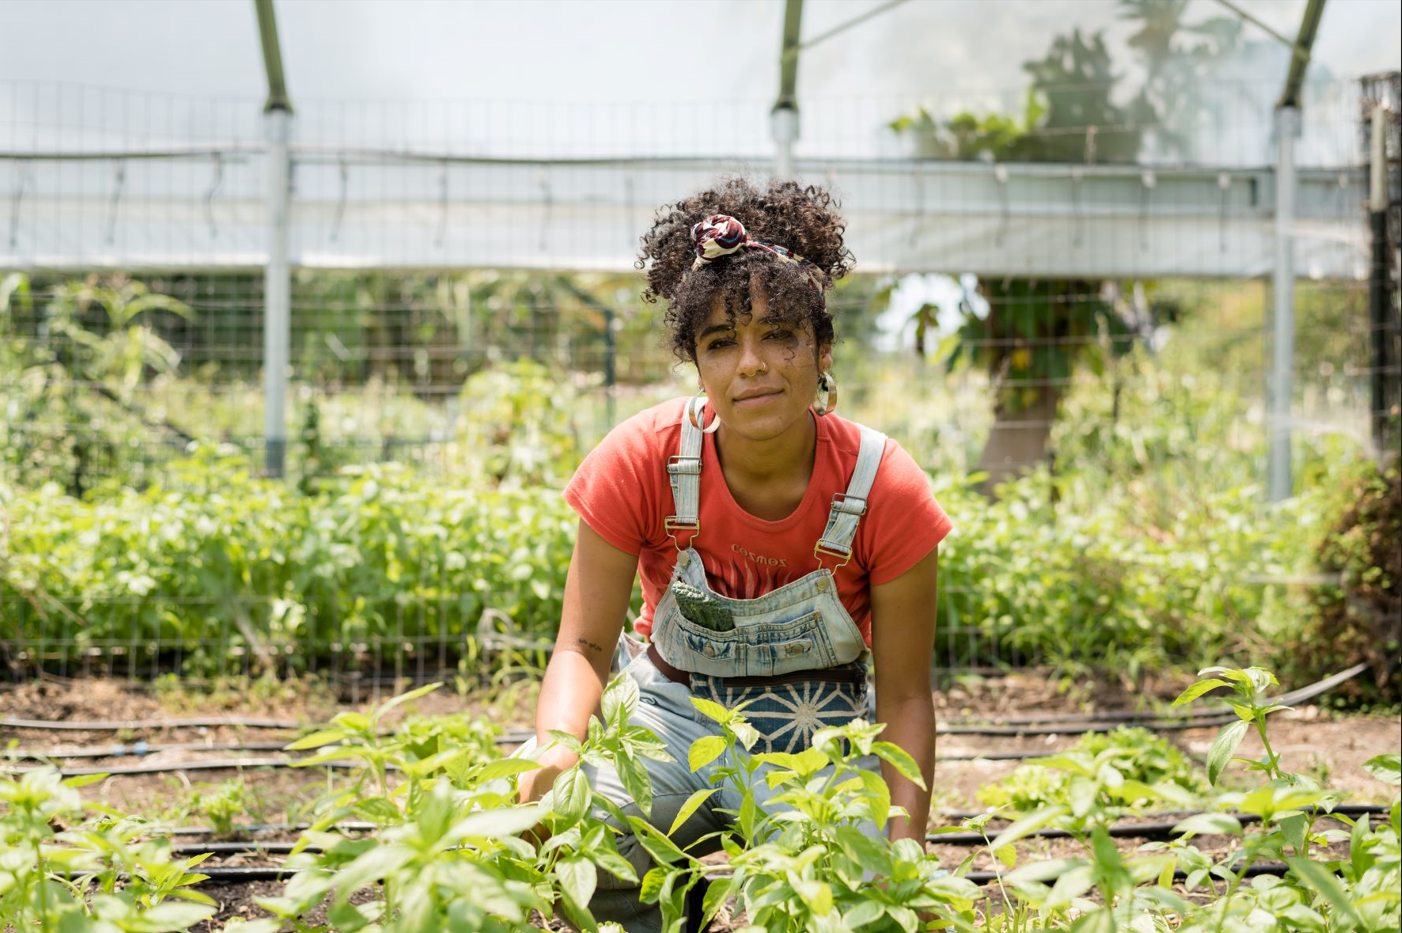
(759, 374)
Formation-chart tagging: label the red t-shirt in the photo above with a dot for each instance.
(621, 490)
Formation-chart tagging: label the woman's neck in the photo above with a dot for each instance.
(782, 462)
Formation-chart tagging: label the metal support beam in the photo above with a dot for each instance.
(272, 58)
(1287, 130)
(783, 118)
(1304, 42)
(277, 291)
(277, 279)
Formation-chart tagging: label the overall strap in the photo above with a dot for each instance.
(849, 507)
(684, 473)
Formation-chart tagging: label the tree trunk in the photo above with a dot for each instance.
(1019, 440)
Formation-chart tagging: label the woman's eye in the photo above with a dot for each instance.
(780, 335)
(719, 344)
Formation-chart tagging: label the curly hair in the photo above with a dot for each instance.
(804, 220)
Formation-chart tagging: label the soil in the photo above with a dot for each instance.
(1309, 740)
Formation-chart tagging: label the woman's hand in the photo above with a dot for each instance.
(531, 786)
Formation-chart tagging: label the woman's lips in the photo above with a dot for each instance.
(755, 401)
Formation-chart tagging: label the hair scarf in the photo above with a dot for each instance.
(721, 235)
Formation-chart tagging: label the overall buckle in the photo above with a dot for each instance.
(819, 552)
(672, 525)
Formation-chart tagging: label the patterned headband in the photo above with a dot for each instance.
(720, 235)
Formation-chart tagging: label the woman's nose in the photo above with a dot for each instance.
(751, 361)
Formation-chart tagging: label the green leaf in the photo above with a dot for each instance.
(878, 793)
(317, 739)
(689, 807)
(652, 885)
(405, 698)
(372, 866)
(1029, 824)
(901, 761)
(578, 878)
(620, 700)
(1224, 747)
(1100, 920)
(1071, 885)
(171, 916)
(1386, 768)
(1198, 689)
(705, 750)
(865, 912)
(493, 824)
(712, 710)
(569, 794)
(504, 767)
(1322, 880)
(1210, 824)
(663, 850)
(636, 781)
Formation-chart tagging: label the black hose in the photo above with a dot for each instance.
(1346, 809)
(346, 827)
(1116, 831)
(1278, 869)
(133, 725)
(1285, 699)
(141, 750)
(247, 874)
(217, 764)
(1075, 724)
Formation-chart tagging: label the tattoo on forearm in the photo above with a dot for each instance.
(589, 644)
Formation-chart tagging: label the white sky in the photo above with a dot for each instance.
(594, 50)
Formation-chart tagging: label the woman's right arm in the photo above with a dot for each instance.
(597, 589)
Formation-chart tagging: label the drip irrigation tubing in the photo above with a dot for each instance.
(1346, 809)
(1077, 724)
(1115, 831)
(136, 725)
(1285, 699)
(216, 764)
(216, 875)
(141, 749)
(1141, 830)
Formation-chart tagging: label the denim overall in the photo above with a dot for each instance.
(794, 654)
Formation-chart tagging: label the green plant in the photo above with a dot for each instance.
(1104, 770)
(221, 804)
(60, 874)
(806, 863)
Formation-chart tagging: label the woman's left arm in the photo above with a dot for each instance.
(902, 639)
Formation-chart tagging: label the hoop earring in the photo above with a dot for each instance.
(693, 409)
(826, 402)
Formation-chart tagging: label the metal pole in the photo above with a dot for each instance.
(783, 119)
(277, 292)
(277, 280)
(1287, 130)
(1377, 277)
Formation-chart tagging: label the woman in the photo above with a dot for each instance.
(780, 546)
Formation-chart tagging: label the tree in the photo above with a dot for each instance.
(1036, 333)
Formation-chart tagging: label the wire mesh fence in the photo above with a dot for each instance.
(1059, 296)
